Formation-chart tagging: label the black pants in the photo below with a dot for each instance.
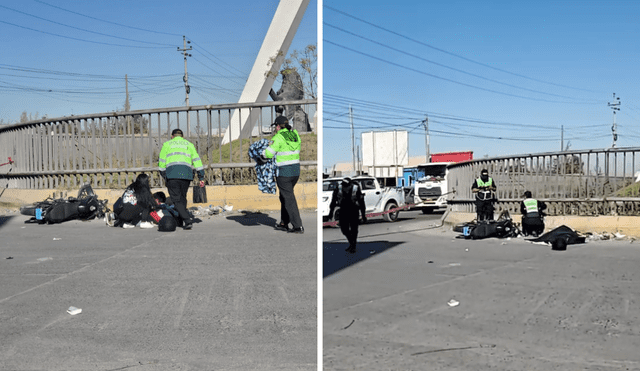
(349, 221)
(289, 212)
(532, 224)
(484, 209)
(178, 189)
(132, 214)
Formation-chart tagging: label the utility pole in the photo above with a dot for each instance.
(561, 138)
(614, 128)
(353, 141)
(185, 78)
(425, 123)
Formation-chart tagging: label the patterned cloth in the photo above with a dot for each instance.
(267, 171)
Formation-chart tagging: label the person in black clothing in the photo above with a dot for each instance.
(484, 188)
(532, 212)
(349, 197)
(137, 203)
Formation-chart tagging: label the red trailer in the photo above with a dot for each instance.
(452, 156)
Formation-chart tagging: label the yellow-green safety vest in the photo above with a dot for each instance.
(285, 147)
(178, 158)
(531, 205)
(480, 183)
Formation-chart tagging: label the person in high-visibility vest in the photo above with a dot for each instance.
(178, 159)
(484, 189)
(286, 150)
(348, 196)
(532, 212)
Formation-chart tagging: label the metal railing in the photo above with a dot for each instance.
(587, 182)
(110, 149)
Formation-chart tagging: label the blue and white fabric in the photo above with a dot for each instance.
(267, 171)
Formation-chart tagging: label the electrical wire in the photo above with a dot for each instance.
(451, 68)
(81, 29)
(110, 22)
(83, 40)
(449, 53)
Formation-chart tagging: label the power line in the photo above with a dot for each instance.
(89, 41)
(81, 29)
(448, 67)
(444, 78)
(452, 54)
(102, 20)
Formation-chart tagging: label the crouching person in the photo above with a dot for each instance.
(134, 207)
(532, 215)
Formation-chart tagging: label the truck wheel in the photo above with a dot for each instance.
(427, 210)
(391, 217)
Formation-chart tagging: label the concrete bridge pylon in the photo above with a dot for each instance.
(277, 41)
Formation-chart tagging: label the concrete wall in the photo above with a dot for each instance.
(626, 225)
(240, 197)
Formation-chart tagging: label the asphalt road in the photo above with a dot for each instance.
(231, 294)
(521, 306)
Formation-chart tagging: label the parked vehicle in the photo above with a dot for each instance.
(377, 199)
(426, 184)
(430, 190)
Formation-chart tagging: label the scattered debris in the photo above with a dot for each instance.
(430, 261)
(45, 259)
(73, 311)
(454, 264)
(10, 257)
(453, 303)
(57, 238)
(227, 208)
(372, 251)
(352, 321)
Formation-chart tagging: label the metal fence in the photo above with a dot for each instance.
(589, 182)
(110, 149)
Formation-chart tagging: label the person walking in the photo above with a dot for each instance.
(286, 150)
(178, 159)
(484, 188)
(350, 198)
(532, 212)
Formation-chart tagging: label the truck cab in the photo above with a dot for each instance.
(430, 188)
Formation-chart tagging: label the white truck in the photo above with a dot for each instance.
(377, 199)
(430, 188)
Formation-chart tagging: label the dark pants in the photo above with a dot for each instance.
(289, 212)
(532, 224)
(132, 214)
(349, 220)
(484, 208)
(178, 189)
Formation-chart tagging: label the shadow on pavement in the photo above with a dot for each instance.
(251, 219)
(336, 259)
(4, 220)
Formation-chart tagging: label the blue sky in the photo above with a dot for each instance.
(494, 77)
(63, 57)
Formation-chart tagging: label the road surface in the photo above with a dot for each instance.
(231, 294)
(515, 305)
